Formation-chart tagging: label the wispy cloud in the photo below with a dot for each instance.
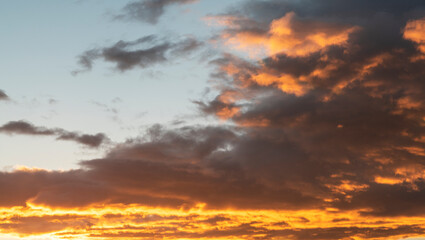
(142, 53)
(148, 11)
(25, 128)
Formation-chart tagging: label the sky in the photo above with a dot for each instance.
(199, 119)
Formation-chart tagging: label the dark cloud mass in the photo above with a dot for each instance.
(331, 119)
(173, 168)
(348, 116)
(25, 128)
(142, 53)
(148, 11)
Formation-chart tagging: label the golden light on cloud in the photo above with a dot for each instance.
(286, 83)
(227, 112)
(288, 35)
(133, 221)
(415, 31)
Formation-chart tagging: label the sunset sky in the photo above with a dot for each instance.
(212, 119)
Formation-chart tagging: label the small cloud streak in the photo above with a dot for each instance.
(150, 51)
(148, 11)
(3, 96)
(25, 128)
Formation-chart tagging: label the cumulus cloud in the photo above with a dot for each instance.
(142, 53)
(25, 128)
(148, 11)
(345, 128)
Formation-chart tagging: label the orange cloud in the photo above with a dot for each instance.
(284, 82)
(415, 31)
(136, 221)
(227, 112)
(289, 35)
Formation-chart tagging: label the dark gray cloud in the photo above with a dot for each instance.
(142, 53)
(177, 168)
(3, 96)
(21, 127)
(148, 11)
(358, 12)
(25, 128)
(56, 188)
(405, 201)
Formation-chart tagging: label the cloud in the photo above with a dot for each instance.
(3, 96)
(332, 118)
(25, 128)
(415, 31)
(43, 224)
(149, 51)
(323, 138)
(318, 123)
(177, 169)
(289, 35)
(120, 222)
(148, 11)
